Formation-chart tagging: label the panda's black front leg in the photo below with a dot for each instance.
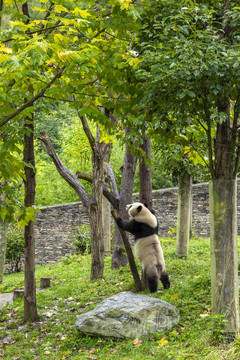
(125, 225)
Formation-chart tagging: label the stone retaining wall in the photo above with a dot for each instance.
(55, 223)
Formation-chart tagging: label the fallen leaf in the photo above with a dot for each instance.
(137, 342)
(162, 342)
(204, 315)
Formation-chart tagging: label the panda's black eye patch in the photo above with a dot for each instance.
(139, 208)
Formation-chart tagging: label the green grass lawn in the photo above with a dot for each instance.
(71, 293)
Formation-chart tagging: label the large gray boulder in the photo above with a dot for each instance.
(128, 315)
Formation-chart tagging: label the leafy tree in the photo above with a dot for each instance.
(190, 74)
(15, 248)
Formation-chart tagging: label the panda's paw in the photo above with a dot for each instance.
(119, 221)
(165, 280)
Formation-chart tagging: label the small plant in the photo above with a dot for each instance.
(15, 248)
(172, 231)
(81, 239)
(219, 335)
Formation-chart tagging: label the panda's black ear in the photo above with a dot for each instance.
(146, 205)
(139, 208)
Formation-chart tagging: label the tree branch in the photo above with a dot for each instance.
(87, 132)
(113, 180)
(130, 256)
(209, 137)
(110, 197)
(31, 101)
(67, 175)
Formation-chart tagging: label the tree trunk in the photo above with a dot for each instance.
(184, 213)
(119, 257)
(224, 262)
(93, 204)
(145, 176)
(3, 244)
(30, 307)
(3, 241)
(95, 216)
(223, 223)
(132, 264)
(106, 212)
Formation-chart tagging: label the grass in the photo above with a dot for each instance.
(71, 293)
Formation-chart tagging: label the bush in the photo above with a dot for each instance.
(81, 239)
(15, 248)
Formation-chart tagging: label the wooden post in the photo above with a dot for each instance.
(45, 282)
(18, 294)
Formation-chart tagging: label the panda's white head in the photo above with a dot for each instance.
(140, 213)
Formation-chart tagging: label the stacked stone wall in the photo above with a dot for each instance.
(55, 223)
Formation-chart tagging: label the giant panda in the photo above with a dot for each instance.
(144, 226)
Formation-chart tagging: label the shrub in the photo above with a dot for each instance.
(81, 239)
(15, 248)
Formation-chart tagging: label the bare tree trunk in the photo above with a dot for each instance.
(145, 176)
(95, 216)
(30, 306)
(3, 241)
(223, 209)
(184, 213)
(224, 262)
(132, 264)
(106, 209)
(3, 244)
(92, 203)
(106, 212)
(119, 257)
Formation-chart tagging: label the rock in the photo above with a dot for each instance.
(128, 315)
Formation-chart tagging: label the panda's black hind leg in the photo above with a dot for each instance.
(153, 284)
(165, 280)
(144, 279)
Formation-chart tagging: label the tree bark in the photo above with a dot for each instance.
(132, 264)
(223, 209)
(145, 175)
(224, 261)
(95, 217)
(30, 306)
(184, 213)
(3, 245)
(106, 212)
(119, 257)
(3, 241)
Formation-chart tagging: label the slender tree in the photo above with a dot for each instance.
(184, 213)
(145, 174)
(191, 72)
(30, 306)
(119, 257)
(3, 241)
(92, 203)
